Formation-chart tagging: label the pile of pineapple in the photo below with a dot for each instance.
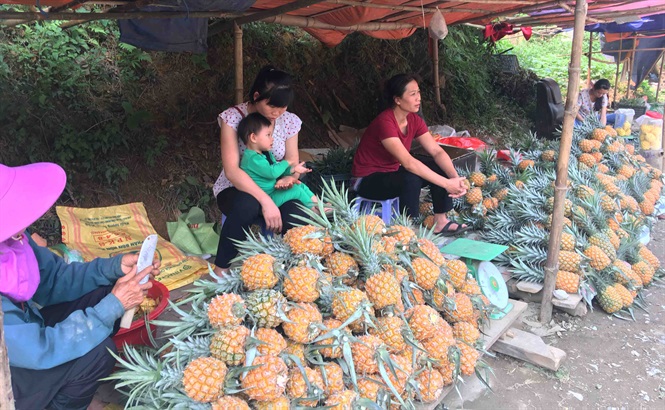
(343, 311)
(610, 200)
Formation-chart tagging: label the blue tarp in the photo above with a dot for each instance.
(177, 34)
(655, 23)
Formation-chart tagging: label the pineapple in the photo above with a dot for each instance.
(429, 222)
(265, 306)
(610, 300)
(603, 242)
(403, 370)
(584, 192)
(347, 301)
(333, 350)
(426, 208)
(273, 342)
(429, 249)
(203, 379)
(389, 330)
(587, 159)
(457, 270)
(424, 321)
(426, 273)
(257, 272)
(598, 156)
(463, 311)
(598, 259)
(586, 145)
(332, 376)
(304, 323)
(342, 265)
(470, 287)
(280, 403)
(477, 179)
(624, 294)
(342, 400)
(430, 384)
(474, 196)
(644, 271)
(364, 353)
(369, 387)
(300, 284)
(383, 290)
(524, 164)
(295, 349)
(501, 194)
(567, 241)
(298, 387)
(267, 381)
(402, 233)
(228, 345)
(490, 203)
(440, 293)
(226, 310)
(649, 257)
(466, 332)
(567, 281)
(305, 239)
(468, 358)
(548, 155)
(447, 370)
(569, 261)
(230, 402)
(372, 223)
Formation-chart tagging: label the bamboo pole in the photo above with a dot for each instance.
(426, 10)
(588, 70)
(435, 70)
(616, 76)
(67, 16)
(630, 68)
(660, 75)
(6, 393)
(307, 22)
(237, 57)
(560, 186)
(261, 15)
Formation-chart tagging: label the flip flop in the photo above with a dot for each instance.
(446, 231)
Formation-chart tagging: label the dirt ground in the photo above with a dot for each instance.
(611, 363)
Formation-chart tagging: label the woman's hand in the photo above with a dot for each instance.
(128, 264)
(128, 290)
(286, 182)
(456, 187)
(272, 217)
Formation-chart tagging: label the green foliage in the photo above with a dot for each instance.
(65, 97)
(190, 192)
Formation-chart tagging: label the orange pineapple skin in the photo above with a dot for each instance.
(467, 332)
(335, 351)
(469, 357)
(257, 272)
(426, 273)
(424, 321)
(303, 318)
(389, 330)
(295, 238)
(430, 250)
(296, 387)
(431, 384)
(333, 382)
(438, 345)
(383, 290)
(228, 345)
(222, 310)
(364, 352)
(463, 311)
(268, 380)
(280, 403)
(230, 402)
(341, 264)
(203, 379)
(300, 284)
(343, 400)
(274, 341)
(567, 281)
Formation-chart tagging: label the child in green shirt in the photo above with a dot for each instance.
(260, 164)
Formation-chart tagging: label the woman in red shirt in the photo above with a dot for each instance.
(384, 168)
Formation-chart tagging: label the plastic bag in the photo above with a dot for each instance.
(438, 28)
(462, 142)
(442, 130)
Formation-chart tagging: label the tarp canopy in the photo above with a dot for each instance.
(647, 25)
(332, 20)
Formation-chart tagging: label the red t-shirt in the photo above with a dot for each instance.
(371, 155)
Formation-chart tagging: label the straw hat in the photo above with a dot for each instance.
(26, 193)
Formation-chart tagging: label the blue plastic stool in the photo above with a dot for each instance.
(388, 206)
(262, 225)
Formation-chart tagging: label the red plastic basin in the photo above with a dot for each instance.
(137, 333)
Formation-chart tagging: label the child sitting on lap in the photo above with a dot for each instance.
(259, 163)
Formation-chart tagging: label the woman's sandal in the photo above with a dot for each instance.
(446, 231)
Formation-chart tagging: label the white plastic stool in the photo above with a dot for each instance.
(388, 206)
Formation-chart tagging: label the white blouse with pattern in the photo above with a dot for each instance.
(286, 126)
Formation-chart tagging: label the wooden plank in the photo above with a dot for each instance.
(490, 335)
(574, 305)
(529, 287)
(529, 348)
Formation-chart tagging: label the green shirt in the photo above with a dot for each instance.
(265, 173)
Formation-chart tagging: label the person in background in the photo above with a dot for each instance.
(58, 317)
(238, 197)
(594, 100)
(260, 164)
(383, 168)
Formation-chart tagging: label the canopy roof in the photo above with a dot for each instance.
(332, 20)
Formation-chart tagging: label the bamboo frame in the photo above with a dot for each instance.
(616, 76)
(630, 68)
(559, 19)
(427, 10)
(83, 17)
(660, 74)
(435, 70)
(560, 186)
(308, 22)
(588, 71)
(238, 63)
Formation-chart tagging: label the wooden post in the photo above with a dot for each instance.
(632, 65)
(616, 76)
(588, 70)
(660, 75)
(237, 57)
(6, 393)
(435, 70)
(560, 186)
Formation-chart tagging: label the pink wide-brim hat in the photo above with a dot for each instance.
(26, 193)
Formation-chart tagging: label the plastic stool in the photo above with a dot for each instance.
(388, 206)
(262, 225)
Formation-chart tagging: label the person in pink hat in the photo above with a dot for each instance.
(58, 317)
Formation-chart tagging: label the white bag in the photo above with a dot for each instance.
(438, 29)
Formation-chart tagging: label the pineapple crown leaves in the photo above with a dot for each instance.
(184, 351)
(256, 244)
(206, 289)
(192, 323)
(144, 375)
(530, 234)
(313, 392)
(526, 271)
(383, 359)
(361, 243)
(515, 157)
(488, 162)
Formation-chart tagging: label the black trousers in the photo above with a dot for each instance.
(242, 211)
(406, 185)
(71, 385)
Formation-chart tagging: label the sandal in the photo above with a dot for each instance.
(446, 231)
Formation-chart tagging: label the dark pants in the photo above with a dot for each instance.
(71, 385)
(242, 211)
(406, 185)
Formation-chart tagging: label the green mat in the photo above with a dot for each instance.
(468, 248)
(192, 234)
